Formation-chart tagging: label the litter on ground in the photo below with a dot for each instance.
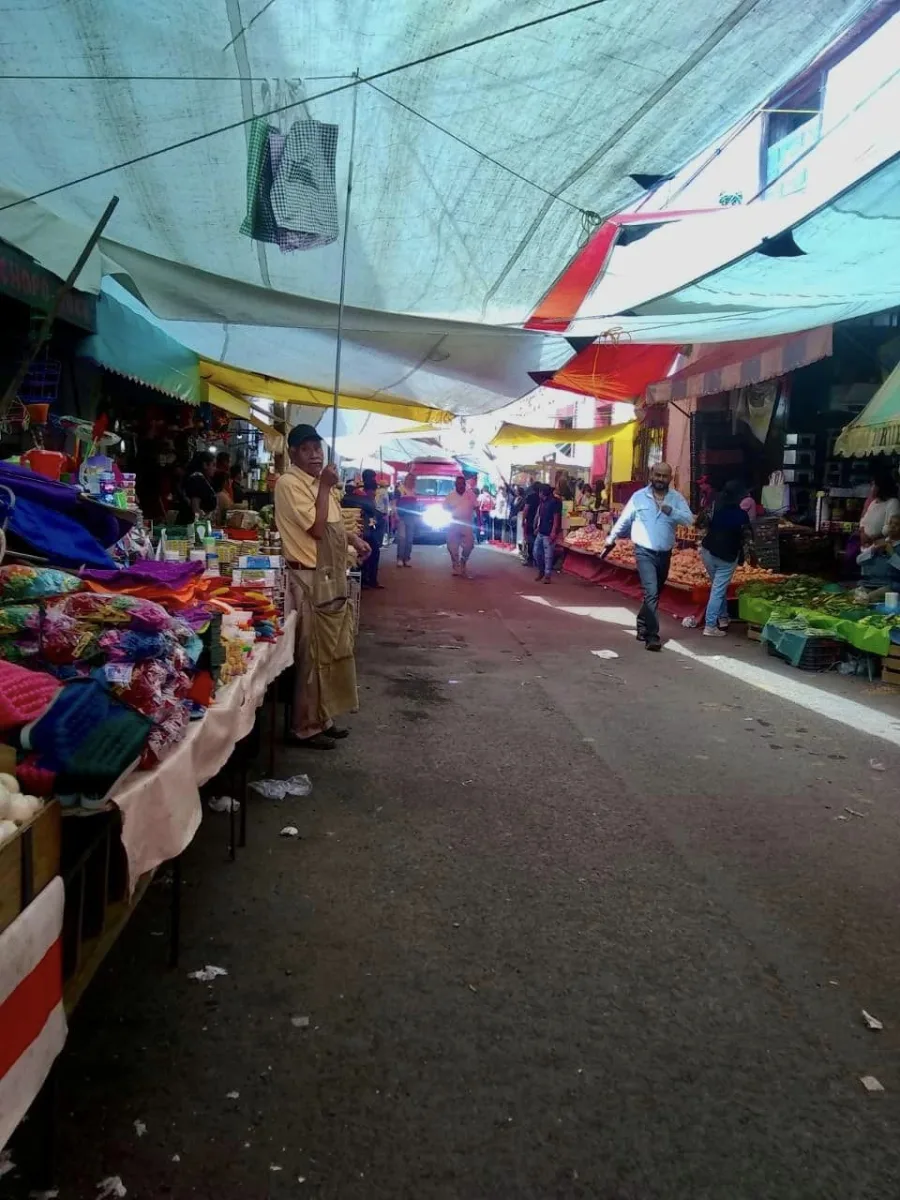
(207, 974)
(223, 804)
(277, 789)
(111, 1188)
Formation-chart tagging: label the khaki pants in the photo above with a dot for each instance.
(460, 543)
(324, 667)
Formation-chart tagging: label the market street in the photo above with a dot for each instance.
(563, 925)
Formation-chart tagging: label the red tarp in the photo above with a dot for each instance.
(614, 372)
(721, 366)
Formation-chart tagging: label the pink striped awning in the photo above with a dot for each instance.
(725, 365)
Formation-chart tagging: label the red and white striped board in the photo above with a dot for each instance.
(32, 1018)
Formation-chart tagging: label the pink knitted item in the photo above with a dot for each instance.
(24, 695)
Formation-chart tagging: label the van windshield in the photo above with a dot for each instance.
(434, 485)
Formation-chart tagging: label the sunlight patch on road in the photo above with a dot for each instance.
(860, 717)
(613, 616)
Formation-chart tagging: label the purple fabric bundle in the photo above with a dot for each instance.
(172, 575)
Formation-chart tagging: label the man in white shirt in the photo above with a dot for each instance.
(651, 517)
(462, 504)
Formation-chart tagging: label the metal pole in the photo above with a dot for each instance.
(46, 327)
(340, 324)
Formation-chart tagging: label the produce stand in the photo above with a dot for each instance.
(822, 606)
(677, 600)
(686, 592)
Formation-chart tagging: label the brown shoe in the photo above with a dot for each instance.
(317, 742)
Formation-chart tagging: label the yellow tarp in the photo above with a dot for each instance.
(237, 406)
(622, 450)
(527, 435)
(247, 385)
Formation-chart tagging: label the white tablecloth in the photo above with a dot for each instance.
(161, 809)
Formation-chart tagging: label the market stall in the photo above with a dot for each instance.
(124, 687)
(687, 591)
(815, 609)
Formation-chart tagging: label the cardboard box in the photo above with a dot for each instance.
(29, 861)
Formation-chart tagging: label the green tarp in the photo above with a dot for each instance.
(869, 638)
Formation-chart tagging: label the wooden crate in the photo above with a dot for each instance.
(28, 862)
(890, 666)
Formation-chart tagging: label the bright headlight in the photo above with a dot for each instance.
(437, 518)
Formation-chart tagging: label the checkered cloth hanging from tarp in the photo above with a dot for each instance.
(291, 193)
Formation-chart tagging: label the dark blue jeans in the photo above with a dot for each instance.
(653, 571)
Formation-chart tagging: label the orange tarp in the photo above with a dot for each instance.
(614, 372)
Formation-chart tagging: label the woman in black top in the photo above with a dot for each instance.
(729, 536)
(198, 489)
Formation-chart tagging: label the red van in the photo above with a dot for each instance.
(435, 480)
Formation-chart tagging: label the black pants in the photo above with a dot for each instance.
(369, 570)
(653, 571)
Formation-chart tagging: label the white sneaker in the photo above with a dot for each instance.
(712, 631)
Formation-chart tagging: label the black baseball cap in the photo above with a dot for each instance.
(302, 433)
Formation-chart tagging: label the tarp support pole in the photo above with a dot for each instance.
(340, 320)
(47, 324)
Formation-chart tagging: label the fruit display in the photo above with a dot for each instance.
(589, 540)
(686, 569)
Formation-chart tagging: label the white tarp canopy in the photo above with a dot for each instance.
(474, 172)
(849, 267)
(856, 142)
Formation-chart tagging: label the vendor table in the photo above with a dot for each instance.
(870, 639)
(160, 812)
(161, 809)
(677, 599)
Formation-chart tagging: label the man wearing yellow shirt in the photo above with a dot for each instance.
(315, 543)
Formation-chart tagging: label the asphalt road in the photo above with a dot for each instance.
(562, 925)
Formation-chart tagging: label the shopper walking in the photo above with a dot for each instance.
(407, 520)
(462, 504)
(651, 517)
(516, 519)
(374, 523)
(501, 514)
(729, 536)
(529, 512)
(485, 509)
(547, 525)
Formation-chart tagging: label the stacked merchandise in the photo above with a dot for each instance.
(24, 697)
(352, 518)
(264, 572)
(125, 664)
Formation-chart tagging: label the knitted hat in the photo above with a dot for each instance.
(24, 695)
(87, 737)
